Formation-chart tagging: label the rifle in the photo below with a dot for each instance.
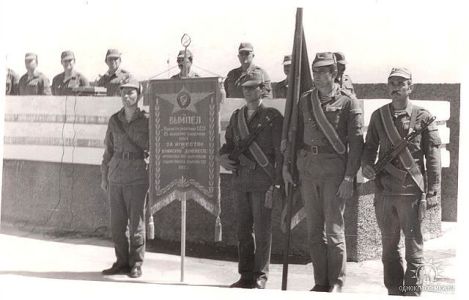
(394, 151)
(243, 145)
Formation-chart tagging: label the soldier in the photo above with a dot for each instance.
(401, 201)
(180, 61)
(63, 83)
(125, 179)
(255, 179)
(236, 77)
(281, 87)
(33, 82)
(344, 81)
(11, 83)
(330, 143)
(115, 76)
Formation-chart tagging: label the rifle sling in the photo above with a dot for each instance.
(394, 137)
(254, 148)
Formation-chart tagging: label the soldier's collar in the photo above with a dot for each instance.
(408, 108)
(72, 75)
(35, 74)
(138, 114)
(116, 72)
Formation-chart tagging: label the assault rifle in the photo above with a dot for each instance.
(394, 151)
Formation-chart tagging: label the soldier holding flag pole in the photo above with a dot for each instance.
(328, 143)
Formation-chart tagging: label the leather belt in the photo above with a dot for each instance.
(128, 155)
(318, 149)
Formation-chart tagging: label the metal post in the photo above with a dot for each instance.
(183, 232)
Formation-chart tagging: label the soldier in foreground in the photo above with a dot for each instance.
(33, 82)
(188, 65)
(63, 83)
(329, 143)
(252, 153)
(236, 77)
(403, 195)
(115, 75)
(281, 88)
(125, 179)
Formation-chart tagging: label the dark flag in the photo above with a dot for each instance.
(299, 81)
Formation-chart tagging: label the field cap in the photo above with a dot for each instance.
(287, 60)
(245, 46)
(67, 55)
(324, 59)
(400, 72)
(340, 58)
(253, 78)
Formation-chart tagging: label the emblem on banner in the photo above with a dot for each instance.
(183, 99)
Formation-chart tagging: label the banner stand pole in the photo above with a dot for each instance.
(183, 232)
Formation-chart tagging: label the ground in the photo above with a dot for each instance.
(39, 266)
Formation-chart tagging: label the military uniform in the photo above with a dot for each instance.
(62, 86)
(397, 199)
(191, 74)
(251, 183)
(280, 89)
(113, 81)
(330, 143)
(11, 83)
(346, 84)
(38, 84)
(124, 166)
(237, 77)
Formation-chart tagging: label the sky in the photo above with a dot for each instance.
(425, 36)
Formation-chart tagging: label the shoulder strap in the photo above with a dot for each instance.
(326, 127)
(394, 137)
(126, 134)
(254, 148)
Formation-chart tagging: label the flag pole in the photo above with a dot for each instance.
(289, 132)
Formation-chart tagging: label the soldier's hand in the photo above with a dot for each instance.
(287, 178)
(369, 172)
(432, 200)
(104, 184)
(227, 163)
(422, 209)
(345, 189)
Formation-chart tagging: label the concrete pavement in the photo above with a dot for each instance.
(37, 265)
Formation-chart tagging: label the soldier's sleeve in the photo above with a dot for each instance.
(431, 148)
(277, 138)
(108, 150)
(267, 93)
(370, 151)
(226, 83)
(54, 86)
(228, 146)
(355, 137)
(84, 81)
(15, 90)
(45, 86)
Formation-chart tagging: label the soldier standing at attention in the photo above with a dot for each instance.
(33, 82)
(401, 201)
(125, 179)
(11, 83)
(63, 83)
(330, 143)
(255, 177)
(188, 63)
(114, 76)
(281, 88)
(237, 77)
(344, 81)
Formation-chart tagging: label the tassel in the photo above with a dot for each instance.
(218, 230)
(150, 228)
